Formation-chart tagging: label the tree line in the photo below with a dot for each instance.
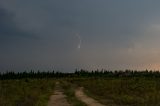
(78, 73)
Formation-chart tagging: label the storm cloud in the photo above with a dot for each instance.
(114, 34)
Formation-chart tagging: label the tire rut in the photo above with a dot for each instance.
(87, 100)
(58, 98)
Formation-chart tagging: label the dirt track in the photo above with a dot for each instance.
(84, 98)
(58, 98)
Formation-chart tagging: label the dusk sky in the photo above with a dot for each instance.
(89, 34)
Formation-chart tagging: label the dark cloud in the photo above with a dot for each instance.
(112, 32)
(9, 30)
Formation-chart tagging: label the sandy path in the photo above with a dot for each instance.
(84, 98)
(58, 98)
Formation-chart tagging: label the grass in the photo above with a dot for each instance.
(123, 91)
(69, 91)
(25, 92)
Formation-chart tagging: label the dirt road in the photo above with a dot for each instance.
(58, 98)
(84, 98)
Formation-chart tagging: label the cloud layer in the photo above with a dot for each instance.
(115, 34)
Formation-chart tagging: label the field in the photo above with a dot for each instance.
(25, 92)
(107, 90)
(122, 91)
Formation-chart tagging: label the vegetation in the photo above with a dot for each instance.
(136, 91)
(122, 88)
(81, 73)
(25, 92)
(69, 91)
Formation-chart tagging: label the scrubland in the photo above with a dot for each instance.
(108, 88)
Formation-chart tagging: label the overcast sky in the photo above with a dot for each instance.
(90, 34)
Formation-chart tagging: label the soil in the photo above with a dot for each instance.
(84, 98)
(58, 98)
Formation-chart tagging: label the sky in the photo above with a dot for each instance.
(91, 34)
